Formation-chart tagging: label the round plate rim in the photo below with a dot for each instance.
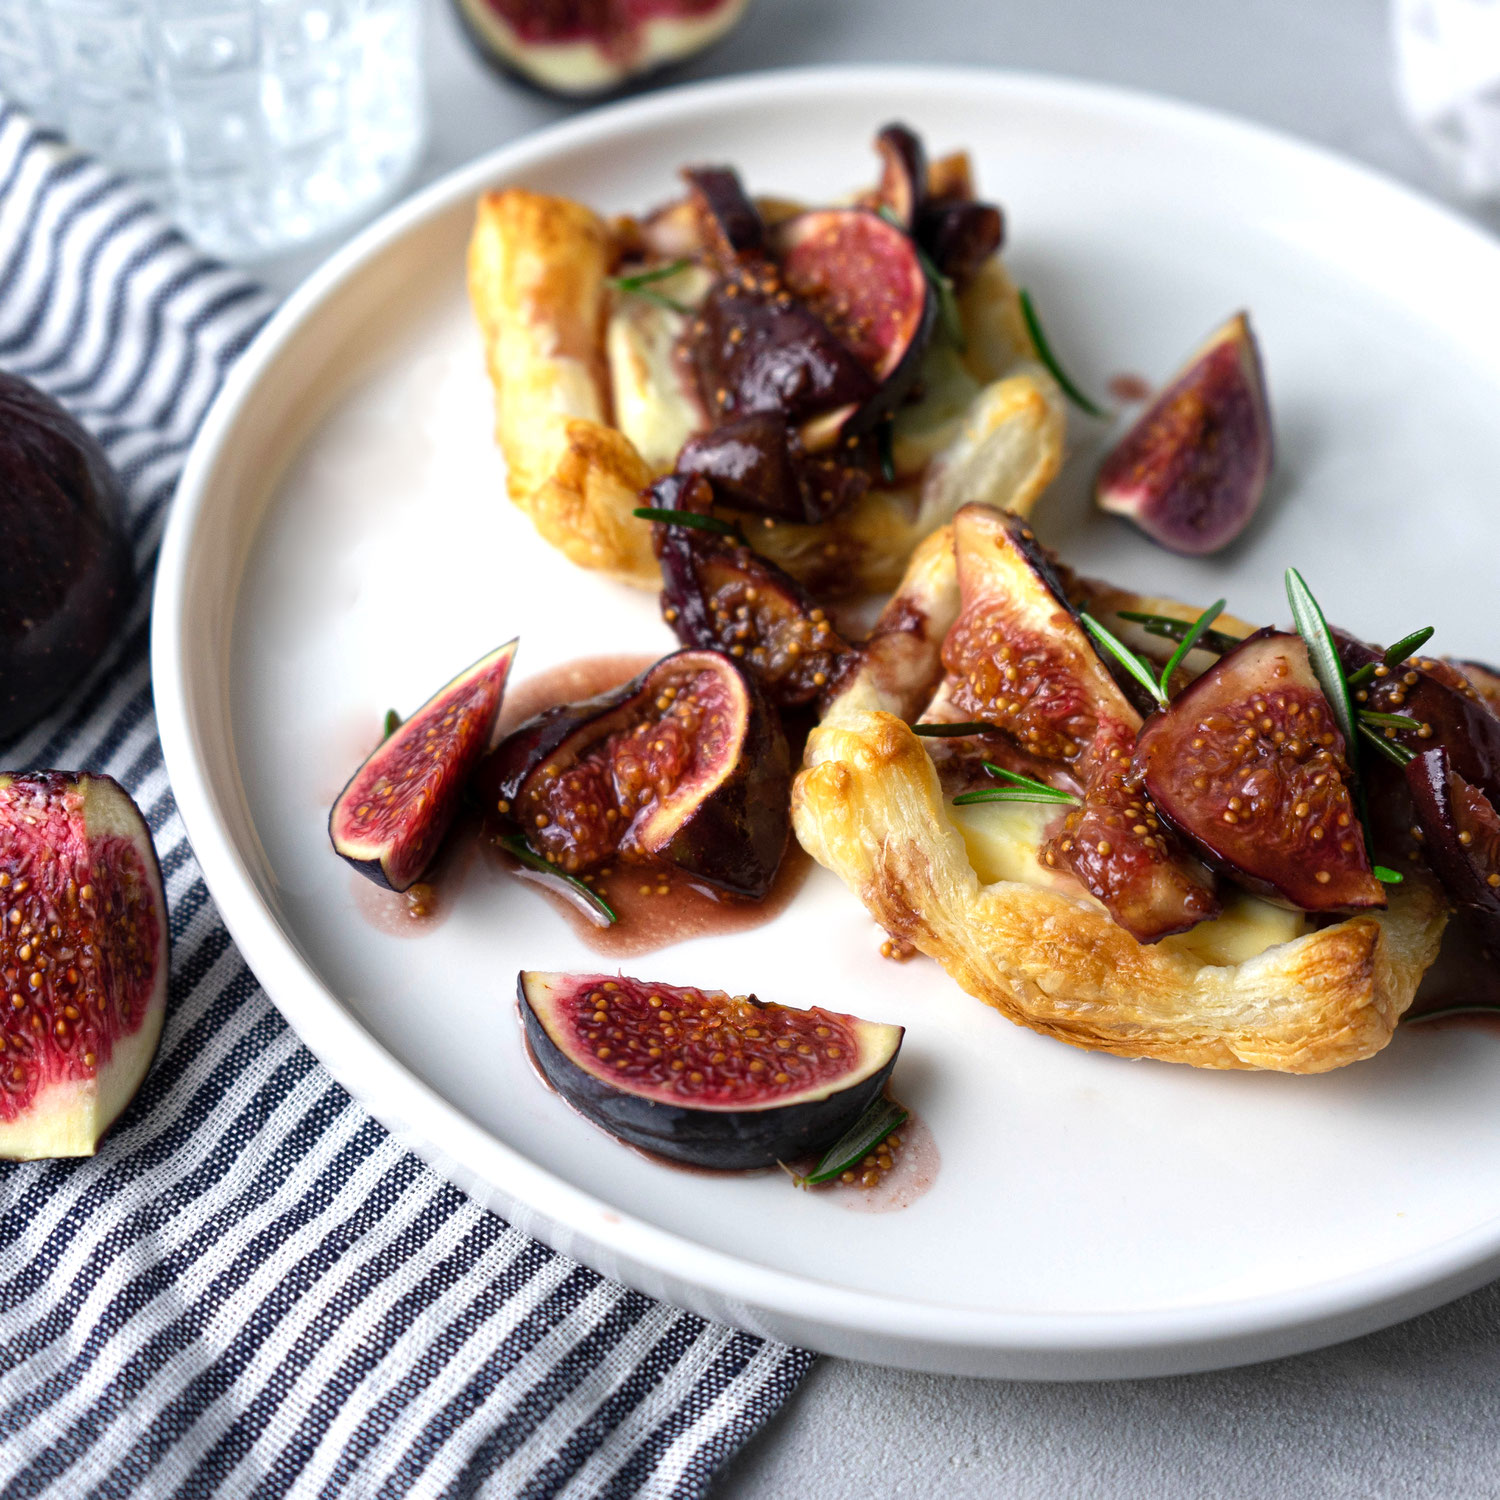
(897, 1329)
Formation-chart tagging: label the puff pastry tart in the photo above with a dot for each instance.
(844, 379)
(1192, 885)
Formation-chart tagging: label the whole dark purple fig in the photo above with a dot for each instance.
(686, 764)
(700, 1076)
(65, 577)
(1191, 471)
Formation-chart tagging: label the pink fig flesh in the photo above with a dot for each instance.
(1192, 470)
(389, 821)
(83, 952)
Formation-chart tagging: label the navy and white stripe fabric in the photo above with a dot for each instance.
(252, 1290)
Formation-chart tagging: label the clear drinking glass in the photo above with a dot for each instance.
(258, 123)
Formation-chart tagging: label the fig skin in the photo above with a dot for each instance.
(1221, 730)
(391, 818)
(718, 594)
(903, 175)
(731, 835)
(80, 874)
(65, 570)
(595, 49)
(1460, 838)
(759, 1127)
(1193, 468)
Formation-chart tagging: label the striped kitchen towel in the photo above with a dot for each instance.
(252, 1289)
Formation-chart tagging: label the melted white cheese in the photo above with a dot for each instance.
(1003, 838)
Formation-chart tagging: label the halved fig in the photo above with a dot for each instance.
(1249, 766)
(1460, 837)
(1019, 658)
(903, 174)
(390, 820)
(756, 464)
(1191, 471)
(729, 223)
(755, 348)
(700, 1076)
(686, 764)
(83, 955)
(718, 594)
(863, 278)
(581, 48)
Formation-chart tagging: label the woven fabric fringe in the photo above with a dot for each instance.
(252, 1290)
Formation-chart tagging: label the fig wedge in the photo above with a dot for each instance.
(903, 175)
(686, 764)
(729, 224)
(1248, 765)
(1485, 681)
(1460, 837)
(699, 1076)
(1192, 470)
(720, 595)
(1019, 658)
(390, 820)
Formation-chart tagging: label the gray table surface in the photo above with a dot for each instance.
(1409, 1412)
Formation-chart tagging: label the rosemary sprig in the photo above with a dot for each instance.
(393, 722)
(1407, 646)
(1387, 876)
(1323, 653)
(1172, 629)
(1388, 721)
(640, 285)
(1018, 788)
(1126, 658)
(954, 731)
(692, 518)
(1190, 639)
(867, 1132)
(595, 904)
(1393, 750)
(1048, 358)
(942, 286)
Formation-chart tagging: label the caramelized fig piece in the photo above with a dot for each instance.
(1019, 658)
(687, 764)
(1249, 766)
(1191, 471)
(1484, 680)
(389, 821)
(1443, 701)
(1116, 845)
(702, 1077)
(752, 348)
(1460, 837)
(959, 235)
(903, 174)
(755, 463)
(863, 278)
(729, 223)
(718, 594)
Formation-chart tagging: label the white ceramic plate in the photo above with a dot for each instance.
(341, 543)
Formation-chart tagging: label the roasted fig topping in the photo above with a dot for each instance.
(391, 818)
(687, 764)
(863, 278)
(699, 1076)
(589, 47)
(64, 559)
(754, 348)
(729, 223)
(1484, 680)
(1018, 658)
(959, 235)
(756, 464)
(903, 175)
(1249, 766)
(1191, 471)
(1460, 837)
(84, 954)
(718, 594)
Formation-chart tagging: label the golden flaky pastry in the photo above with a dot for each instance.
(590, 405)
(868, 805)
